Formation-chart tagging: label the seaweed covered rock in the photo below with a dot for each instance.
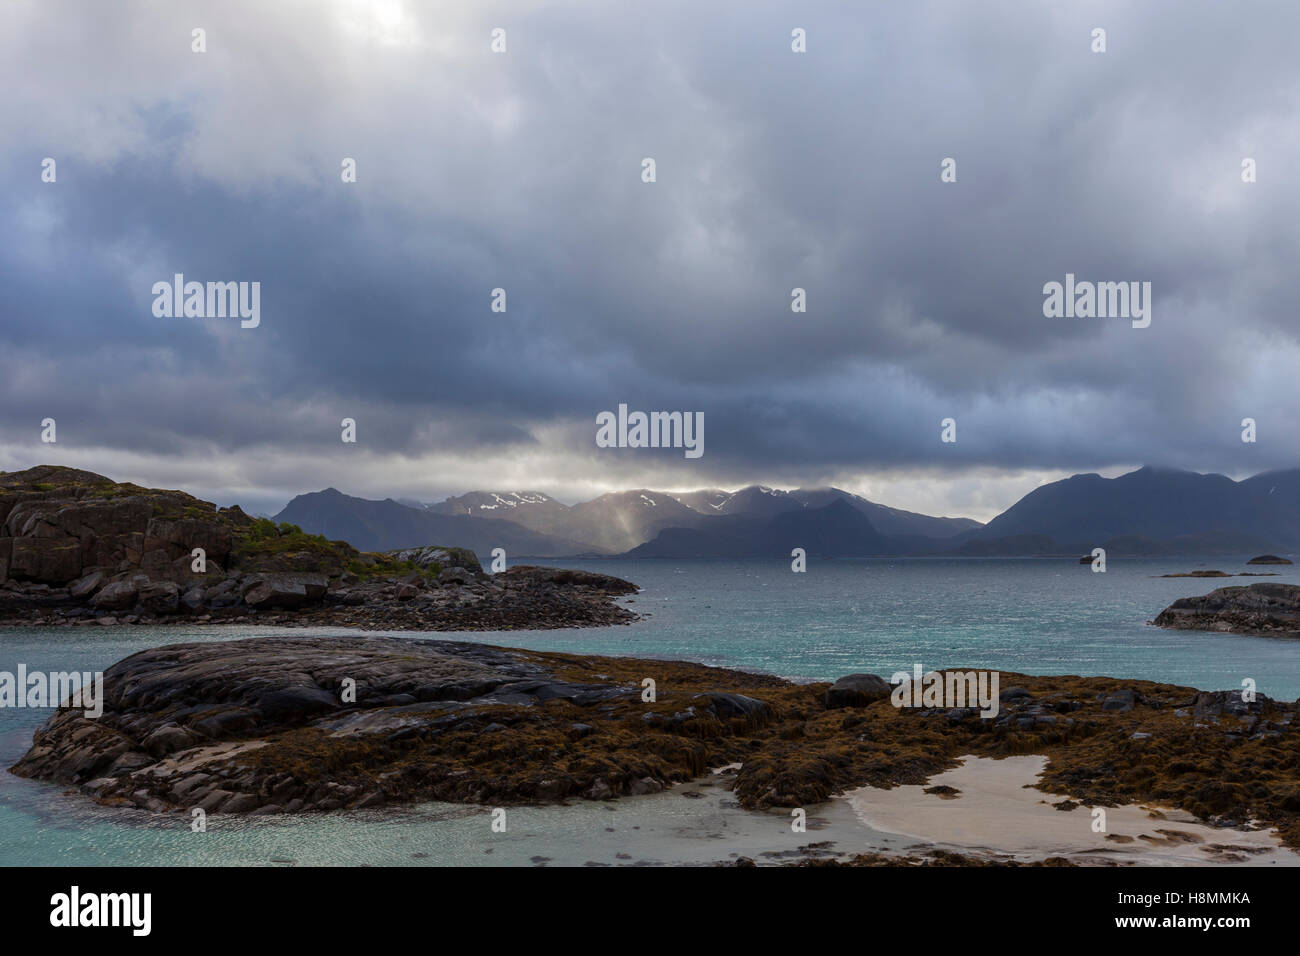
(857, 690)
(287, 724)
(238, 726)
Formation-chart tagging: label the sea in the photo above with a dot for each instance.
(1031, 615)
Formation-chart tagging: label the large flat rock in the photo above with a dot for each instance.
(1260, 609)
(289, 724)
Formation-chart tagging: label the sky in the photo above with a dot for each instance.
(523, 170)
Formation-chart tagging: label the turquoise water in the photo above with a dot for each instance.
(1028, 615)
(1032, 616)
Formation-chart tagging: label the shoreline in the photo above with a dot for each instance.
(236, 729)
(998, 814)
(699, 823)
(525, 597)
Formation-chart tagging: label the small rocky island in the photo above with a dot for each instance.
(77, 548)
(1220, 574)
(1270, 609)
(303, 723)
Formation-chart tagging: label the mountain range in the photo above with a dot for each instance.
(1148, 511)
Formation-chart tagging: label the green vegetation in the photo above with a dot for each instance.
(259, 544)
(382, 566)
(264, 537)
(263, 544)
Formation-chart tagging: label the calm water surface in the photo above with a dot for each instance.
(1030, 615)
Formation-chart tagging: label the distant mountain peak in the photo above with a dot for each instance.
(618, 521)
(1151, 510)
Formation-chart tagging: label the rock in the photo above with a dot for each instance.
(147, 801)
(87, 585)
(1015, 693)
(225, 721)
(227, 586)
(285, 591)
(297, 703)
(176, 538)
(455, 576)
(126, 762)
(857, 690)
(162, 597)
(641, 786)
(116, 597)
(54, 559)
(59, 524)
(183, 789)
(214, 800)
(1209, 705)
(1269, 559)
(439, 557)
(1120, 701)
(1265, 609)
(109, 542)
(726, 706)
(168, 739)
(268, 733)
(552, 789)
(241, 803)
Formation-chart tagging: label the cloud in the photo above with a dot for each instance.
(522, 171)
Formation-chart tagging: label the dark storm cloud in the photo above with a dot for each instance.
(775, 170)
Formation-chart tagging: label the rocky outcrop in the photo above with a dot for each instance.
(1269, 559)
(456, 599)
(436, 559)
(79, 549)
(1261, 609)
(857, 690)
(58, 524)
(288, 724)
(285, 591)
(237, 727)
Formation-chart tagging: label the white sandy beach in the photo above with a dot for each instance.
(999, 814)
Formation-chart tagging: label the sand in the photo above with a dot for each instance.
(999, 815)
